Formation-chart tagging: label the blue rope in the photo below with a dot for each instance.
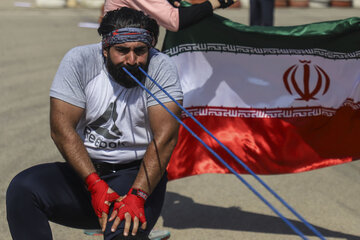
(316, 232)
(295, 229)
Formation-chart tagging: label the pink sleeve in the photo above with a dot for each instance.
(163, 12)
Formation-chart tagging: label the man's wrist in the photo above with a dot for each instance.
(92, 179)
(139, 193)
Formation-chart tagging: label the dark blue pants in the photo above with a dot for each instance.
(262, 12)
(54, 192)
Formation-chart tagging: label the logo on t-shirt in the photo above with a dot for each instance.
(103, 132)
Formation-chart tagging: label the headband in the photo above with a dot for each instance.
(123, 35)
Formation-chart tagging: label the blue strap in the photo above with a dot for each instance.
(295, 229)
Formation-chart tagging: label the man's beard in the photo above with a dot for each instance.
(121, 77)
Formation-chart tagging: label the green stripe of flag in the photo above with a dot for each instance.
(340, 36)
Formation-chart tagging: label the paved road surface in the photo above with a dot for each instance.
(210, 206)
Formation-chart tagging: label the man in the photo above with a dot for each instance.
(114, 137)
(171, 16)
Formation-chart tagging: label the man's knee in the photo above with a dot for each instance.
(18, 187)
(23, 186)
(17, 194)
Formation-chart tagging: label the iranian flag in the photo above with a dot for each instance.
(282, 99)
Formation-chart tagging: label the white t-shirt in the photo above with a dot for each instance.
(114, 127)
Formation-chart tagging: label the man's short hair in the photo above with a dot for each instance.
(128, 18)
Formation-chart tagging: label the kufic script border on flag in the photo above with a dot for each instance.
(214, 47)
(268, 113)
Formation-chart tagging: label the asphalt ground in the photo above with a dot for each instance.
(209, 206)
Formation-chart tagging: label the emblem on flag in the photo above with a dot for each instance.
(308, 91)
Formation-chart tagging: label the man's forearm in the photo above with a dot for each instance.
(73, 150)
(63, 120)
(154, 165)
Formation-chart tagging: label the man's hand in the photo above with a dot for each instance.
(131, 207)
(101, 197)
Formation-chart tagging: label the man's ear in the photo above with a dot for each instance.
(105, 52)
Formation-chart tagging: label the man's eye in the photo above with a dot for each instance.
(140, 51)
(123, 50)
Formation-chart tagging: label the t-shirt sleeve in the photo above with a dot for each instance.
(67, 84)
(163, 70)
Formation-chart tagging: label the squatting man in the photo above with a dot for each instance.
(116, 138)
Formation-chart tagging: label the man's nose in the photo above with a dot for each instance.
(131, 58)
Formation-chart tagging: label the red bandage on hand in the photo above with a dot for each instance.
(133, 204)
(99, 195)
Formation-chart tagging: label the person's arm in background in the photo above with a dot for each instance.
(167, 15)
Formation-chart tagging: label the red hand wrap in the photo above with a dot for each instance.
(133, 203)
(98, 189)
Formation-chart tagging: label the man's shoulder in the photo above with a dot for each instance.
(85, 62)
(85, 57)
(85, 50)
(157, 57)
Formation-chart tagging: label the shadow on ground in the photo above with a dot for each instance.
(182, 212)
